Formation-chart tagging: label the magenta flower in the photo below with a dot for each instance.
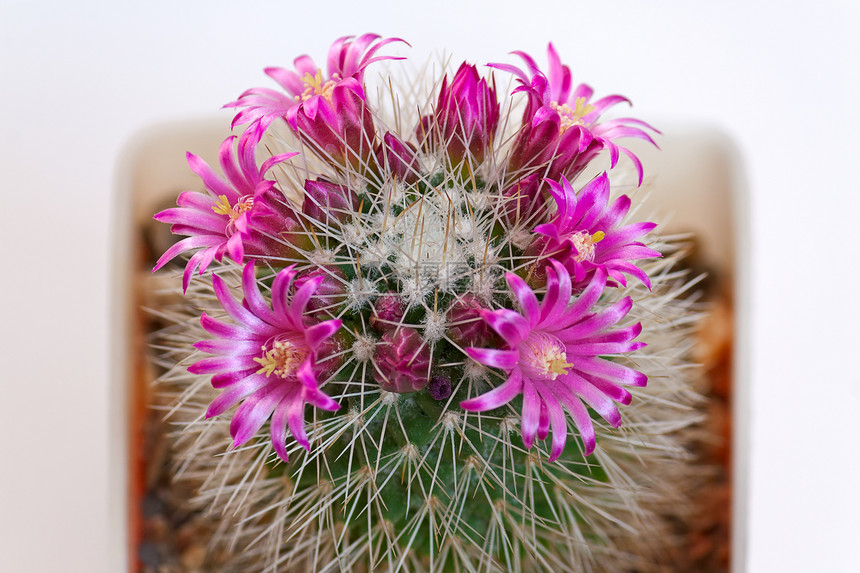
(553, 358)
(270, 360)
(337, 124)
(330, 112)
(561, 126)
(347, 59)
(586, 234)
(465, 118)
(242, 215)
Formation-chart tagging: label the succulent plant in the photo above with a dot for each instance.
(423, 328)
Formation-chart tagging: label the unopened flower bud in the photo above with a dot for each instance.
(330, 292)
(466, 325)
(466, 116)
(402, 361)
(327, 202)
(388, 311)
(399, 157)
(440, 387)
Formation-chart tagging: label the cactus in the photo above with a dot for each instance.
(364, 299)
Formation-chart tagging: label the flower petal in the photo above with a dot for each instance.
(543, 425)
(559, 428)
(316, 334)
(504, 359)
(224, 330)
(319, 399)
(236, 311)
(584, 301)
(220, 364)
(599, 401)
(526, 298)
(296, 422)
(254, 412)
(512, 327)
(597, 322)
(557, 298)
(186, 245)
(497, 397)
(228, 346)
(253, 298)
(580, 416)
(612, 371)
(301, 298)
(278, 427)
(530, 414)
(236, 393)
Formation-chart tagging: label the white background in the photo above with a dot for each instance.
(78, 79)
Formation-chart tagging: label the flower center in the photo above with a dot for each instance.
(222, 206)
(314, 86)
(544, 356)
(572, 116)
(584, 244)
(282, 359)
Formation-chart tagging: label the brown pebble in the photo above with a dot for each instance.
(193, 557)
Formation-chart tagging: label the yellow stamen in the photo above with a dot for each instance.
(314, 85)
(572, 116)
(584, 244)
(222, 206)
(281, 360)
(547, 355)
(552, 361)
(559, 366)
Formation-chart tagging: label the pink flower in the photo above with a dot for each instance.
(586, 234)
(561, 126)
(465, 118)
(347, 59)
(329, 111)
(337, 124)
(553, 358)
(270, 360)
(242, 215)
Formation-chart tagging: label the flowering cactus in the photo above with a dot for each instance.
(389, 317)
